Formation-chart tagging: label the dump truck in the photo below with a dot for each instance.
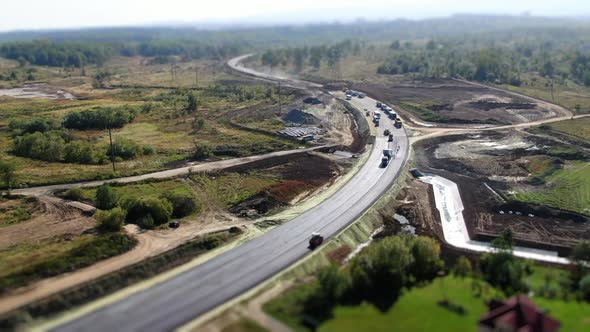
(316, 240)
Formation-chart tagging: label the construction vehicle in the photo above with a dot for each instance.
(397, 123)
(315, 240)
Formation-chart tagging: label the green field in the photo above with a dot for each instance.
(25, 263)
(577, 127)
(567, 188)
(417, 310)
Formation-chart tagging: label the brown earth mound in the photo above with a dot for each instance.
(300, 117)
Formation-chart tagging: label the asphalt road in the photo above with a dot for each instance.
(182, 298)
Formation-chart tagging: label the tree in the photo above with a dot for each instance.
(580, 258)
(191, 103)
(146, 209)
(463, 267)
(202, 151)
(584, 287)
(330, 288)
(106, 197)
(426, 263)
(8, 174)
(501, 269)
(379, 274)
(111, 221)
(395, 45)
(182, 204)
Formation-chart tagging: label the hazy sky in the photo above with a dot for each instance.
(40, 14)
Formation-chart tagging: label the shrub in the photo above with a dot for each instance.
(42, 146)
(584, 287)
(463, 267)
(202, 151)
(148, 150)
(112, 220)
(106, 197)
(74, 194)
(98, 118)
(124, 148)
(79, 152)
(159, 210)
(182, 205)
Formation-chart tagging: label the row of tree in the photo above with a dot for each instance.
(46, 53)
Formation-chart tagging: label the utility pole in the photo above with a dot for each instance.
(111, 143)
(196, 77)
(280, 103)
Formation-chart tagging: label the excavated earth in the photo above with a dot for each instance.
(485, 167)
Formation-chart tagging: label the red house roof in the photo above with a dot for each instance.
(518, 314)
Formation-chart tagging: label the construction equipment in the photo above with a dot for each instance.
(315, 240)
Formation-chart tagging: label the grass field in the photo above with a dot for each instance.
(578, 127)
(14, 211)
(163, 126)
(567, 188)
(416, 310)
(244, 325)
(567, 95)
(25, 263)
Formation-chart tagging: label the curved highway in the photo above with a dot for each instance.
(181, 298)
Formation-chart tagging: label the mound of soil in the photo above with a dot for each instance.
(300, 117)
(312, 101)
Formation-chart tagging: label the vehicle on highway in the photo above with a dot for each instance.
(367, 113)
(387, 155)
(397, 123)
(174, 224)
(377, 114)
(390, 138)
(316, 240)
(361, 95)
(348, 97)
(378, 104)
(354, 93)
(392, 115)
(386, 132)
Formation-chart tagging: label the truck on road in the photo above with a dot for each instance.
(397, 123)
(387, 155)
(315, 240)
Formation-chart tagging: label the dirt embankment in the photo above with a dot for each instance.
(53, 218)
(488, 165)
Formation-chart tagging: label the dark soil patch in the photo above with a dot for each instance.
(491, 105)
(300, 117)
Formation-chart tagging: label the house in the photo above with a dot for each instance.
(517, 314)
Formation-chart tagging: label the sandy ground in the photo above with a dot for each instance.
(37, 90)
(56, 219)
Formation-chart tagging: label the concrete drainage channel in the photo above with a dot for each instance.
(449, 204)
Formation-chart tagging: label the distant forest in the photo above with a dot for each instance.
(485, 48)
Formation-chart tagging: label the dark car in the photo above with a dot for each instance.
(174, 224)
(316, 240)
